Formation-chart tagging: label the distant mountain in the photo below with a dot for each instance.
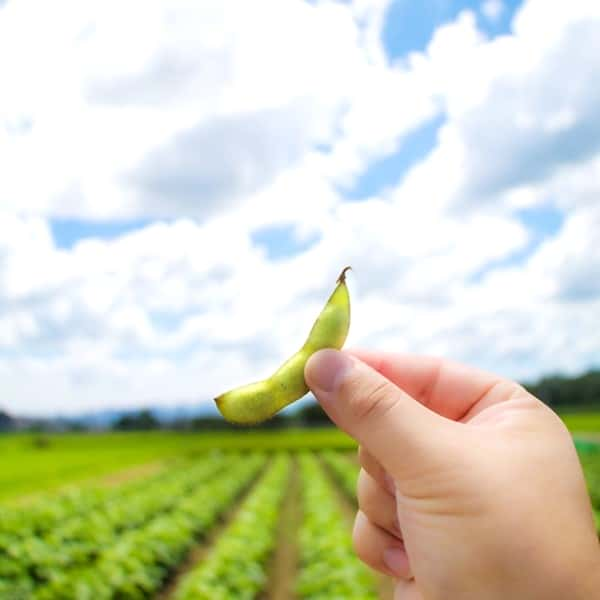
(105, 419)
(165, 414)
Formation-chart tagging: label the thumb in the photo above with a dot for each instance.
(401, 433)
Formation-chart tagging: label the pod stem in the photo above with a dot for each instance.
(342, 277)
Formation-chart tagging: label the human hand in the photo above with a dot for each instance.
(470, 487)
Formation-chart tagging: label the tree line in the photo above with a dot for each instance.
(564, 393)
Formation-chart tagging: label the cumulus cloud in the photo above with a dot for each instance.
(519, 107)
(190, 296)
(228, 137)
(572, 257)
(135, 106)
(535, 122)
(209, 168)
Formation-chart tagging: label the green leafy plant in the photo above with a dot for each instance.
(237, 565)
(329, 567)
(344, 471)
(129, 545)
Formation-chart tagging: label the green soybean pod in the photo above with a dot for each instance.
(259, 401)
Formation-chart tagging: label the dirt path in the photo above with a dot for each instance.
(386, 585)
(136, 472)
(283, 567)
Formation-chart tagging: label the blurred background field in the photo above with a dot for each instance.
(34, 461)
(164, 514)
(37, 462)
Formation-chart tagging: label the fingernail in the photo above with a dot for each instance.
(325, 369)
(394, 559)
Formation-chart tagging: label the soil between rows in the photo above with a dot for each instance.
(283, 567)
(386, 584)
(200, 550)
(284, 563)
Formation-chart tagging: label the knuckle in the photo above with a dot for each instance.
(373, 401)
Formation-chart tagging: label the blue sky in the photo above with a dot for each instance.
(409, 26)
(68, 231)
(231, 169)
(542, 223)
(389, 170)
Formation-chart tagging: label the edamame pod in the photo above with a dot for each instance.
(258, 401)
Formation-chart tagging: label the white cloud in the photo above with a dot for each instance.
(520, 108)
(213, 166)
(100, 100)
(265, 118)
(188, 297)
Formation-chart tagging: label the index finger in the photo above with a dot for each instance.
(451, 389)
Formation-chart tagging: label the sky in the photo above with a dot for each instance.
(181, 183)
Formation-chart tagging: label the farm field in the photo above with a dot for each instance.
(33, 462)
(263, 515)
(207, 527)
(584, 425)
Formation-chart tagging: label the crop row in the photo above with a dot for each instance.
(48, 511)
(329, 567)
(344, 471)
(51, 510)
(79, 539)
(134, 562)
(103, 511)
(124, 542)
(237, 565)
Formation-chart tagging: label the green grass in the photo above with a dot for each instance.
(32, 463)
(582, 422)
